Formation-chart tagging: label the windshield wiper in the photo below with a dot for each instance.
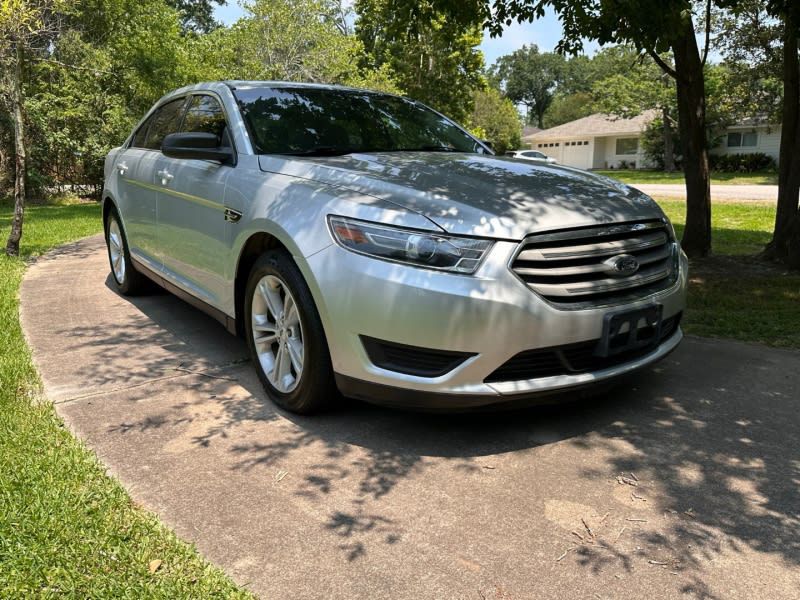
(321, 151)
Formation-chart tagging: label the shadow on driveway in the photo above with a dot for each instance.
(690, 470)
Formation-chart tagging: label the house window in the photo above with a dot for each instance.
(743, 140)
(627, 146)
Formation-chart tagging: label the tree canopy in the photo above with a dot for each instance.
(434, 58)
(530, 78)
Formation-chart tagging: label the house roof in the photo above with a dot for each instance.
(598, 124)
(530, 131)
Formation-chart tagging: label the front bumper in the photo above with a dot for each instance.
(492, 315)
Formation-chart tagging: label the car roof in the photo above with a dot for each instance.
(219, 86)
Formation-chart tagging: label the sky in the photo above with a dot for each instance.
(544, 32)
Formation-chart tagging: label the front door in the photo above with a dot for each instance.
(193, 234)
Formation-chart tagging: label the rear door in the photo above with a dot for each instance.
(193, 234)
(140, 209)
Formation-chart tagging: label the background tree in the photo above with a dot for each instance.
(435, 59)
(197, 15)
(651, 26)
(640, 88)
(574, 97)
(750, 41)
(568, 107)
(495, 118)
(26, 27)
(292, 40)
(530, 78)
(785, 244)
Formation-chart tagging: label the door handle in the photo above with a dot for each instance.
(123, 168)
(165, 176)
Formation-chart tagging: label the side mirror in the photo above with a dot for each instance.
(488, 144)
(199, 146)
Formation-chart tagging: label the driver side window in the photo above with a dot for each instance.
(205, 115)
(163, 122)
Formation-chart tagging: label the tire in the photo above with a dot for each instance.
(128, 280)
(275, 285)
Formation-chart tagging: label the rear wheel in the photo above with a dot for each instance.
(285, 336)
(128, 280)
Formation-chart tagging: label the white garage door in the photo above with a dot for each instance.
(577, 153)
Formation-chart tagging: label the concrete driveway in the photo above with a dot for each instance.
(682, 484)
(719, 193)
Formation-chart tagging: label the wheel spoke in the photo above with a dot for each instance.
(295, 348)
(268, 338)
(288, 308)
(265, 328)
(273, 300)
(282, 366)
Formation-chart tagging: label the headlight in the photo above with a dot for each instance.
(419, 248)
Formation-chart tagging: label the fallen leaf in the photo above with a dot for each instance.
(154, 565)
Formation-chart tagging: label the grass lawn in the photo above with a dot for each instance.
(732, 294)
(645, 176)
(66, 529)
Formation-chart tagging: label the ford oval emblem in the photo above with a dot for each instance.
(622, 265)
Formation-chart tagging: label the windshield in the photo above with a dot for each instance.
(319, 121)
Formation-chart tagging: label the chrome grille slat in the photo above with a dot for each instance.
(575, 268)
(646, 258)
(601, 285)
(606, 230)
(634, 244)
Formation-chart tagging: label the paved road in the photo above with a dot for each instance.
(683, 484)
(718, 192)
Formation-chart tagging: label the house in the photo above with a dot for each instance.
(602, 141)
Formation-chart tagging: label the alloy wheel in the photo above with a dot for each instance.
(278, 333)
(116, 251)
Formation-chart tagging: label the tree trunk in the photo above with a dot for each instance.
(785, 244)
(669, 149)
(696, 240)
(20, 165)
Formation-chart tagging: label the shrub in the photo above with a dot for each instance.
(741, 163)
(496, 118)
(653, 144)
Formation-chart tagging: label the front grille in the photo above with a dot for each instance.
(412, 360)
(571, 359)
(576, 268)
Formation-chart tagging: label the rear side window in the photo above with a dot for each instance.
(140, 138)
(164, 121)
(205, 115)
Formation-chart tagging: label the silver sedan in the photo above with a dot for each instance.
(365, 244)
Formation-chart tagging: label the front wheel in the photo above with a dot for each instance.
(129, 281)
(285, 336)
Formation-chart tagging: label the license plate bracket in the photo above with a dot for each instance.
(630, 330)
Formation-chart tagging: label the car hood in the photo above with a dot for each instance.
(474, 194)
